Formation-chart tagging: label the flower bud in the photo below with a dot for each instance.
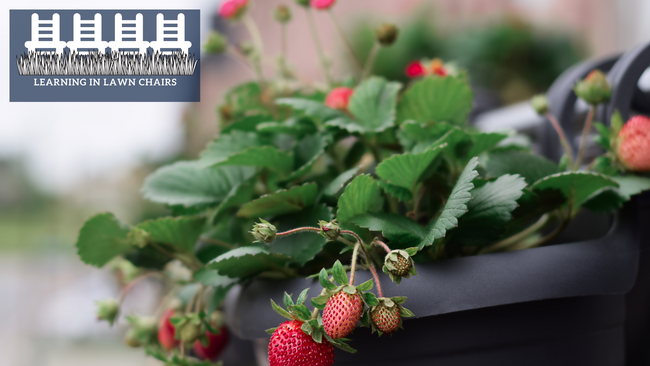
(143, 330)
(282, 14)
(264, 232)
(415, 70)
(138, 237)
(107, 310)
(397, 264)
(216, 43)
(131, 339)
(386, 34)
(330, 230)
(339, 98)
(322, 4)
(594, 89)
(233, 9)
(539, 104)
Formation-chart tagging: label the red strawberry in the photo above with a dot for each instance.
(634, 144)
(322, 4)
(339, 98)
(290, 346)
(217, 343)
(341, 314)
(415, 69)
(166, 330)
(385, 318)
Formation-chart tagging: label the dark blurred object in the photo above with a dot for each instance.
(512, 59)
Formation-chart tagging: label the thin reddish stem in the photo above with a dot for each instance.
(560, 132)
(297, 230)
(374, 274)
(369, 264)
(383, 245)
(585, 133)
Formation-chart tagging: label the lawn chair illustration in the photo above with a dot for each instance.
(46, 34)
(170, 35)
(128, 35)
(87, 37)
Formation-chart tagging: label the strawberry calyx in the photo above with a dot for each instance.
(398, 264)
(192, 327)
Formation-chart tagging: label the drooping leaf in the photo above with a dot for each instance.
(307, 152)
(301, 247)
(436, 99)
(575, 186)
(489, 211)
(245, 262)
(407, 170)
(281, 202)
(400, 230)
(181, 232)
(102, 238)
(398, 192)
(186, 183)
(262, 157)
(310, 108)
(373, 104)
(608, 200)
(339, 182)
(631, 185)
(455, 207)
(227, 145)
(361, 196)
(531, 167)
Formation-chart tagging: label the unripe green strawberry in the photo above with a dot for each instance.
(131, 338)
(341, 314)
(385, 318)
(190, 332)
(539, 104)
(633, 144)
(386, 34)
(290, 346)
(107, 310)
(594, 89)
(216, 43)
(282, 14)
(398, 264)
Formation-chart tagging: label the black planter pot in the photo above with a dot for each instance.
(558, 305)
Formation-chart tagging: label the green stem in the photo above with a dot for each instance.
(370, 61)
(585, 133)
(517, 237)
(259, 45)
(353, 266)
(348, 46)
(369, 264)
(565, 144)
(319, 47)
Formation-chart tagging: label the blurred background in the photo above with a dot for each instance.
(60, 163)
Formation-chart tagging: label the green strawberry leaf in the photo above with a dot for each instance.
(339, 182)
(310, 108)
(246, 262)
(339, 273)
(245, 99)
(373, 104)
(400, 230)
(179, 232)
(608, 200)
(399, 193)
(218, 297)
(247, 124)
(602, 138)
(531, 167)
(286, 201)
(489, 211)
(455, 207)
(288, 302)
(319, 302)
(370, 298)
(307, 152)
(436, 99)
(301, 312)
(302, 297)
(574, 186)
(102, 238)
(407, 170)
(292, 126)
(301, 247)
(362, 195)
(483, 142)
(227, 145)
(186, 183)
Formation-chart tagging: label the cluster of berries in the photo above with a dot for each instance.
(420, 68)
(309, 338)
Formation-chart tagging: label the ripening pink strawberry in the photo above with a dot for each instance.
(339, 98)
(322, 4)
(341, 314)
(166, 330)
(231, 9)
(633, 144)
(415, 70)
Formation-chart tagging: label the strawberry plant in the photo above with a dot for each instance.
(320, 179)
